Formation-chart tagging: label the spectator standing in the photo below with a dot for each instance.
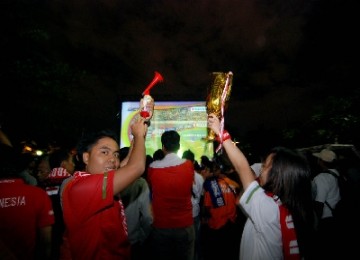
(220, 230)
(27, 172)
(196, 199)
(278, 206)
(61, 163)
(94, 216)
(136, 200)
(43, 171)
(26, 215)
(171, 180)
(327, 194)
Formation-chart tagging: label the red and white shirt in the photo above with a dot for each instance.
(95, 220)
(171, 181)
(23, 210)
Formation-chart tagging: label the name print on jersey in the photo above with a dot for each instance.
(12, 202)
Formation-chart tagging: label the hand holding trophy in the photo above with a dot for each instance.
(217, 99)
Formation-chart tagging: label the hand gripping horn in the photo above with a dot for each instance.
(147, 102)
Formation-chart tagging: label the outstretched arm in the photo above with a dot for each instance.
(235, 155)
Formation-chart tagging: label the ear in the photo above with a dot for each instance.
(86, 157)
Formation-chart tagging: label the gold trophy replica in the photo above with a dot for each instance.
(218, 97)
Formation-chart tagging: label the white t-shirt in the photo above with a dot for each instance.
(197, 190)
(261, 238)
(327, 189)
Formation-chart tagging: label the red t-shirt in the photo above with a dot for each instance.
(95, 220)
(23, 210)
(171, 195)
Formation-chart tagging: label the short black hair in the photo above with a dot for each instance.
(88, 140)
(57, 157)
(171, 141)
(188, 154)
(158, 154)
(124, 151)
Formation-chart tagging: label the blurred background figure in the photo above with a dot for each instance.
(171, 180)
(61, 163)
(196, 199)
(158, 154)
(327, 195)
(26, 215)
(136, 201)
(28, 164)
(220, 231)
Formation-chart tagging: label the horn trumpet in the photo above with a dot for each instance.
(157, 79)
(147, 102)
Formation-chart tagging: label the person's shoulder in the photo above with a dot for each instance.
(323, 176)
(142, 182)
(231, 182)
(199, 177)
(35, 190)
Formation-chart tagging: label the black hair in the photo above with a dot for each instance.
(124, 151)
(158, 154)
(290, 179)
(188, 154)
(88, 140)
(171, 141)
(58, 156)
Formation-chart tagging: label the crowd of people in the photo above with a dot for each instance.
(107, 202)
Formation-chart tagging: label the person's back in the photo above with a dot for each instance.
(171, 181)
(62, 167)
(26, 214)
(196, 201)
(327, 196)
(220, 215)
(226, 211)
(136, 200)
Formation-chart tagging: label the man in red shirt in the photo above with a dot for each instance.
(26, 214)
(93, 214)
(171, 180)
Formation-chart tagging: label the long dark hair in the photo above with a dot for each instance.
(290, 179)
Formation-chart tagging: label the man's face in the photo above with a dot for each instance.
(103, 157)
(43, 170)
(69, 164)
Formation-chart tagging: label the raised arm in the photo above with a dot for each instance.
(235, 155)
(135, 165)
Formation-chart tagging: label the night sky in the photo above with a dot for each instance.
(67, 65)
